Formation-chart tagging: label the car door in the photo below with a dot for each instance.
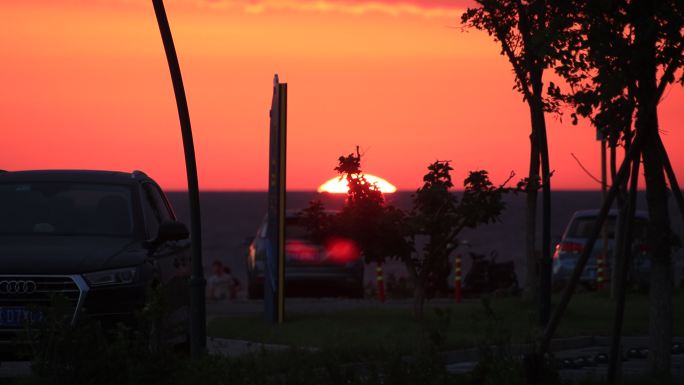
(171, 259)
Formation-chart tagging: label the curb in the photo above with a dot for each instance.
(557, 345)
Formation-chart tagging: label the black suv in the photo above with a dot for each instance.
(102, 240)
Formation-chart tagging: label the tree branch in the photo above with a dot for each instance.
(510, 176)
(505, 46)
(674, 185)
(585, 170)
(670, 70)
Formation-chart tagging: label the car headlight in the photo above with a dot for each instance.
(111, 277)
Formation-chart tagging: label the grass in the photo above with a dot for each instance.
(358, 347)
(455, 326)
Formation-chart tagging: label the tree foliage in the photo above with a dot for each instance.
(600, 60)
(439, 217)
(384, 231)
(619, 58)
(376, 227)
(531, 34)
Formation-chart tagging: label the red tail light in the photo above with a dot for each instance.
(342, 250)
(569, 247)
(301, 251)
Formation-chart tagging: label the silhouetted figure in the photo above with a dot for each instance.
(221, 284)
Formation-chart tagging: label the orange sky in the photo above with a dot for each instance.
(85, 85)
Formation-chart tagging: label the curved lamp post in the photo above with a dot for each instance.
(198, 327)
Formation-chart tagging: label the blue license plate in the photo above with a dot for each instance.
(14, 317)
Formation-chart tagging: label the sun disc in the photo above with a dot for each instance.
(339, 185)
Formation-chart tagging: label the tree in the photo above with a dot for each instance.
(530, 33)
(621, 58)
(377, 228)
(383, 231)
(438, 215)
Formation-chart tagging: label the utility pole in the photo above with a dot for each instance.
(198, 326)
(274, 274)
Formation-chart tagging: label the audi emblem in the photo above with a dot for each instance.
(17, 287)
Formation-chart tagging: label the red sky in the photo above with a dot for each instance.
(85, 85)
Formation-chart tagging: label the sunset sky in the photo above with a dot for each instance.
(85, 85)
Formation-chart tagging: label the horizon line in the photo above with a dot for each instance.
(323, 193)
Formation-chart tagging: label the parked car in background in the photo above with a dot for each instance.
(331, 268)
(104, 241)
(575, 238)
(487, 275)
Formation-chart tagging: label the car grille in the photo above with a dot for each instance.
(42, 293)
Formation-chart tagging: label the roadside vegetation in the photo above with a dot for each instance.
(383, 344)
(381, 328)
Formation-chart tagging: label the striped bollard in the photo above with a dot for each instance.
(457, 279)
(600, 279)
(381, 283)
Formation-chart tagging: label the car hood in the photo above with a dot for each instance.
(67, 254)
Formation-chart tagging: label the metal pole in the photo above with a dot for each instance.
(282, 194)
(198, 327)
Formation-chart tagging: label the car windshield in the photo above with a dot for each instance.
(65, 209)
(581, 227)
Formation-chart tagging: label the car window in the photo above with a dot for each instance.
(156, 210)
(581, 227)
(56, 208)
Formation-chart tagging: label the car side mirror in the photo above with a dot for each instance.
(172, 231)
(168, 231)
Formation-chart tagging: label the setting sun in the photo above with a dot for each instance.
(339, 185)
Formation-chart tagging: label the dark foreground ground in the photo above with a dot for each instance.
(368, 339)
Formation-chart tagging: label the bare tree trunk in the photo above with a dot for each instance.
(555, 318)
(623, 254)
(542, 160)
(532, 258)
(613, 257)
(545, 263)
(660, 243)
(418, 288)
(659, 231)
(674, 185)
(418, 301)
